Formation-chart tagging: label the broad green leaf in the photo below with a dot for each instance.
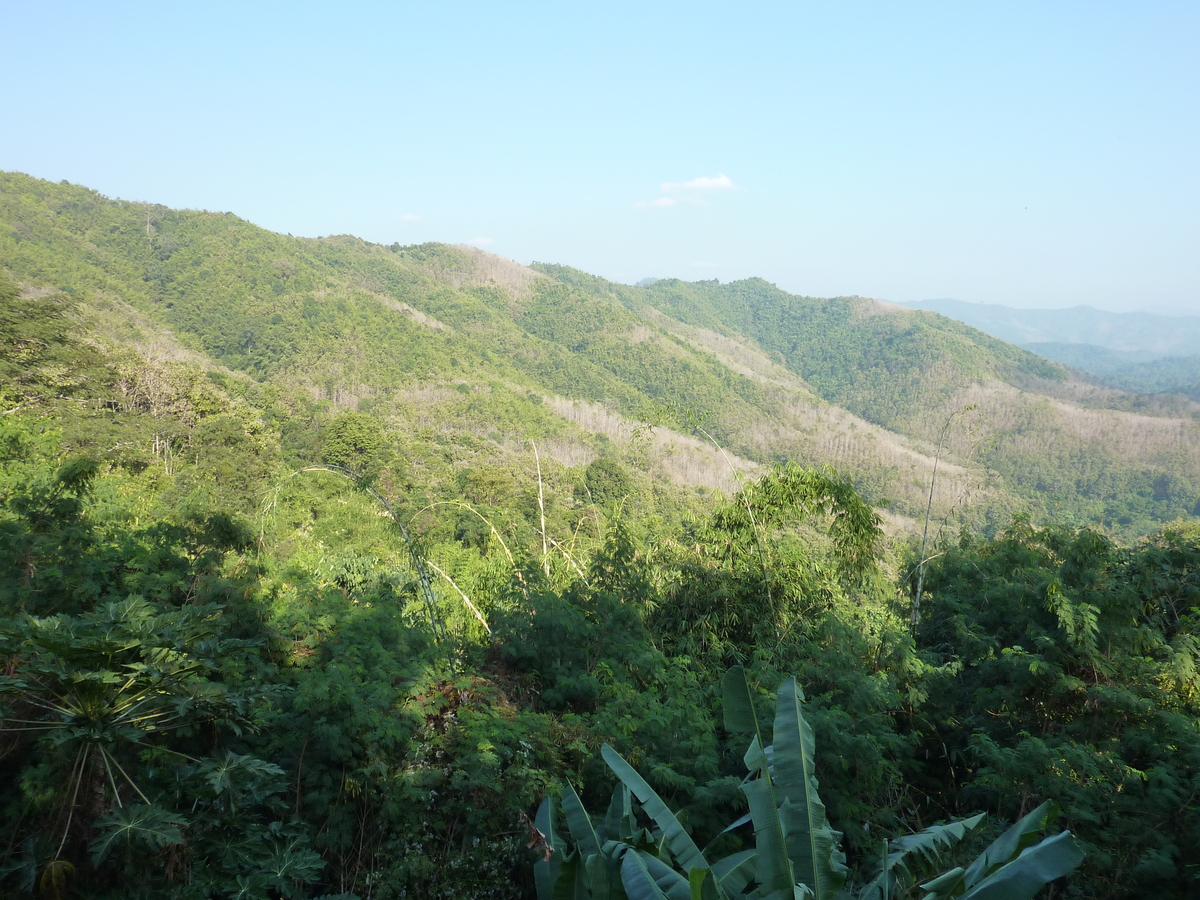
(945, 884)
(151, 826)
(579, 823)
(739, 704)
(755, 757)
(735, 871)
(773, 870)
(619, 820)
(811, 843)
(925, 846)
(600, 873)
(678, 840)
(703, 885)
(1036, 867)
(1006, 847)
(571, 883)
(669, 881)
(546, 872)
(637, 881)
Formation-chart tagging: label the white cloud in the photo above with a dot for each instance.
(410, 217)
(480, 241)
(693, 191)
(703, 183)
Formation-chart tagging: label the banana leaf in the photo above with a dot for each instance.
(773, 870)
(703, 885)
(639, 883)
(677, 839)
(1028, 873)
(1022, 834)
(546, 872)
(812, 844)
(925, 845)
(1015, 866)
(620, 824)
(579, 823)
(739, 704)
(735, 871)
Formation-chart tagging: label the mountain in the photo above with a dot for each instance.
(1124, 332)
(468, 361)
(1138, 352)
(1130, 370)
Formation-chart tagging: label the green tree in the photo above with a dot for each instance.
(352, 440)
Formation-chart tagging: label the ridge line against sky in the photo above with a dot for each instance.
(1025, 154)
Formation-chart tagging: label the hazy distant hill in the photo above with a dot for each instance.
(466, 357)
(1134, 370)
(1133, 351)
(1126, 332)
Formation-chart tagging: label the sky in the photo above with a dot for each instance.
(1042, 154)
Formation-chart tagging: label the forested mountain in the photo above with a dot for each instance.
(337, 570)
(451, 340)
(1129, 370)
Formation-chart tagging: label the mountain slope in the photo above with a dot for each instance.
(1131, 370)
(466, 357)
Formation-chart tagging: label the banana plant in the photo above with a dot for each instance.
(796, 853)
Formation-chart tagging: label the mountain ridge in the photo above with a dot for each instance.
(1155, 333)
(454, 346)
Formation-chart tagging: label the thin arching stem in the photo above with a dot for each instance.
(422, 575)
(916, 608)
(758, 535)
(77, 776)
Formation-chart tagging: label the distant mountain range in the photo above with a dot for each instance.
(1141, 352)
(1145, 333)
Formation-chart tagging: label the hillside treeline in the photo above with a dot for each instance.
(455, 345)
(257, 645)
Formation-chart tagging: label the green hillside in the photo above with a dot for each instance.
(326, 567)
(455, 348)
(234, 669)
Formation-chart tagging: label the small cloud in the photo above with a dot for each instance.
(481, 241)
(703, 183)
(410, 217)
(687, 191)
(656, 203)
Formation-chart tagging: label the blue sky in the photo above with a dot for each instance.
(1032, 154)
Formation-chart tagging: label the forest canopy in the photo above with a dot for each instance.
(337, 570)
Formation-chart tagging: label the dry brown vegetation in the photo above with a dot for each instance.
(483, 269)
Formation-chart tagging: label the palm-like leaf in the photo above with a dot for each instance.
(811, 843)
(1035, 867)
(639, 884)
(678, 840)
(796, 853)
(925, 847)
(1015, 866)
(149, 825)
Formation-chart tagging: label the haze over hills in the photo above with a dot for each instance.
(466, 357)
(1134, 351)
(1130, 332)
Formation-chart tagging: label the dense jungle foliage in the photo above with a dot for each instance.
(257, 645)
